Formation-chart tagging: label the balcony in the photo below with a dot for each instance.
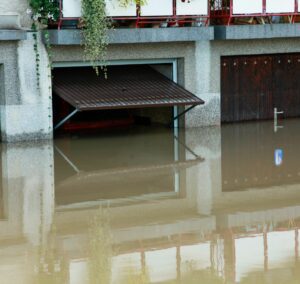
(155, 13)
(254, 11)
(183, 13)
(185, 21)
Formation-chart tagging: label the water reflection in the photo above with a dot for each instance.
(207, 206)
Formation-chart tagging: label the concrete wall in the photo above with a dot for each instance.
(25, 111)
(185, 51)
(16, 7)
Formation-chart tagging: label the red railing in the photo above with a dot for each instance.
(222, 12)
(219, 12)
(141, 21)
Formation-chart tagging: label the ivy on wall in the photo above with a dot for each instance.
(95, 32)
(42, 11)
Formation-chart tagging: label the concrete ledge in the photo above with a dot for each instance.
(257, 31)
(12, 35)
(150, 35)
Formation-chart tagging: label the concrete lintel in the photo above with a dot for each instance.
(267, 31)
(143, 35)
(9, 35)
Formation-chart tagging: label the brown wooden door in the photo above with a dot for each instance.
(252, 86)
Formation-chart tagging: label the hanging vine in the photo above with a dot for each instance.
(95, 33)
(42, 11)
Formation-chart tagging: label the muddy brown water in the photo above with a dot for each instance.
(210, 205)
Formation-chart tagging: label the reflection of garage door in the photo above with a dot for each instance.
(252, 86)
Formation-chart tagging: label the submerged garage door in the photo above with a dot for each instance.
(252, 86)
(126, 87)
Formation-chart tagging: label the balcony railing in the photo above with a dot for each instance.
(164, 12)
(227, 10)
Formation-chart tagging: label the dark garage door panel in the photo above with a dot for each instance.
(286, 83)
(251, 86)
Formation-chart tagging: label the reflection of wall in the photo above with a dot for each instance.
(202, 228)
(248, 156)
(28, 184)
(204, 179)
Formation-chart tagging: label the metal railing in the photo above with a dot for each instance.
(224, 11)
(174, 13)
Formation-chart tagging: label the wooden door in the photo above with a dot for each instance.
(252, 86)
(286, 84)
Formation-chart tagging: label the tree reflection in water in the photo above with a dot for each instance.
(100, 249)
(51, 265)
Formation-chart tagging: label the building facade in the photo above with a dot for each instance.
(194, 55)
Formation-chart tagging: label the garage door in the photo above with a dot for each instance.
(252, 86)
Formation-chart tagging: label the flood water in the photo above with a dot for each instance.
(210, 205)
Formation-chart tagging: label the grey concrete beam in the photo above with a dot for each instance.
(9, 35)
(126, 36)
(257, 31)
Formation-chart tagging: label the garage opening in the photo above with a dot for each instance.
(253, 86)
(135, 94)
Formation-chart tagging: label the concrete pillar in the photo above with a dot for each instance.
(210, 113)
(26, 111)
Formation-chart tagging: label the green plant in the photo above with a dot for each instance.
(44, 11)
(95, 32)
(125, 3)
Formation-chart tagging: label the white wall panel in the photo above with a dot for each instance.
(278, 6)
(249, 253)
(124, 265)
(71, 8)
(198, 255)
(114, 9)
(157, 8)
(192, 7)
(281, 248)
(162, 264)
(247, 6)
(78, 271)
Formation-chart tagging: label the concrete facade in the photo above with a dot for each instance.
(26, 112)
(201, 58)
